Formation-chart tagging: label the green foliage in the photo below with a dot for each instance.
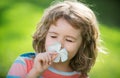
(16, 38)
(107, 65)
(16, 33)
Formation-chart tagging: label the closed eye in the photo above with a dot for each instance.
(53, 36)
(69, 40)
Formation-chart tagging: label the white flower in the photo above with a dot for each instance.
(63, 54)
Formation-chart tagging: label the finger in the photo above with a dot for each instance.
(41, 58)
(54, 56)
(53, 53)
(48, 58)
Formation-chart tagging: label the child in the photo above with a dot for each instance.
(74, 27)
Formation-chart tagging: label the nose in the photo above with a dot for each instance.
(62, 45)
(61, 40)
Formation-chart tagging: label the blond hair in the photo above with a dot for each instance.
(79, 16)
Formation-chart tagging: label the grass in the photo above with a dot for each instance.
(16, 38)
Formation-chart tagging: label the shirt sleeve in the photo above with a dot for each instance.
(18, 69)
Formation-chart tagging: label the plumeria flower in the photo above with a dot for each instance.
(62, 53)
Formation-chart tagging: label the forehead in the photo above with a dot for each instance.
(62, 26)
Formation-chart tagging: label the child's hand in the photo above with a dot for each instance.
(44, 60)
(41, 62)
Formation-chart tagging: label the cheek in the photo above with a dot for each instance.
(72, 50)
(48, 42)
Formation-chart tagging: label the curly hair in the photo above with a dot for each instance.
(79, 16)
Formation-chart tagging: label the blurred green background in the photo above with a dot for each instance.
(18, 19)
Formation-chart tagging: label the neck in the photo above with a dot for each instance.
(62, 66)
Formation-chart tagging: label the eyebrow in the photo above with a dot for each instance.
(66, 35)
(52, 32)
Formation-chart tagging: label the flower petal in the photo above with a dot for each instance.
(64, 51)
(54, 47)
(63, 55)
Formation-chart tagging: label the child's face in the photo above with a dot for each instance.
(63, 32)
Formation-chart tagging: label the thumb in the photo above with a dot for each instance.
(54, 56)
